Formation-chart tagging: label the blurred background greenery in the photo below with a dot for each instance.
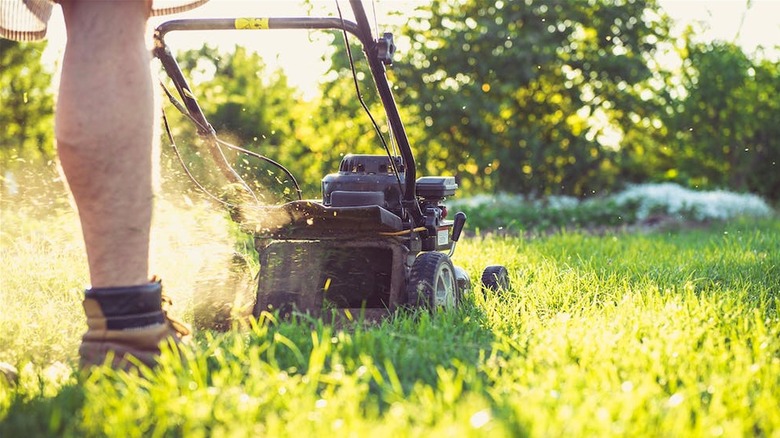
(535, 97)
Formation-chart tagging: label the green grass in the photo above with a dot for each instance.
(670, 333)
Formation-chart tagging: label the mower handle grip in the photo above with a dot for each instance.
(457, 227)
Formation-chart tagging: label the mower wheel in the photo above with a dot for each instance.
(495, 278)
(432, 282)
(464, 282)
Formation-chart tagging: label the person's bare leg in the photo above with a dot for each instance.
(104, 130)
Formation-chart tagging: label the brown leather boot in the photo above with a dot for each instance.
(128, 321)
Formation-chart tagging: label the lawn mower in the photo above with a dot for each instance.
(380, 239)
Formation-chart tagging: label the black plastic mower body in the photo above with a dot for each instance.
(350, 252)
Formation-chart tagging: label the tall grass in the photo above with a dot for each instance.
(672, 333)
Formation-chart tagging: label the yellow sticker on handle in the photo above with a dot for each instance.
(251, 23)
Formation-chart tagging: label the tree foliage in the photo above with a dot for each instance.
(534, 97)
(261, 112)
(27, 109)
(249, 107)
(529, 96)
(726, 126)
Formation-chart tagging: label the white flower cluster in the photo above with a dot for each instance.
(493, 201)
(507, 199)
(672, 199)
(648, 199)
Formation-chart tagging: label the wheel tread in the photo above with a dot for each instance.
(423, 270)
(495, 278)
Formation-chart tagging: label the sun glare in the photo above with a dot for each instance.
(751, 27)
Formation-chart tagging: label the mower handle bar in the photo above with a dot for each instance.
(361, 29)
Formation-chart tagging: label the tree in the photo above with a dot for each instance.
(529, 96)
(27, 134)
(343, 126)
(726, 127)
(247, 107)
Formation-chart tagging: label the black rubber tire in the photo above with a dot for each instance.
(432, 283)
(495, 278)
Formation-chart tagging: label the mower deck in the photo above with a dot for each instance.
(312, 220)
(361, 277)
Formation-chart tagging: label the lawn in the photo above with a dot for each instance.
(666, 332)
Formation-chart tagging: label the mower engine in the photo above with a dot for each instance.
(364, 180)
